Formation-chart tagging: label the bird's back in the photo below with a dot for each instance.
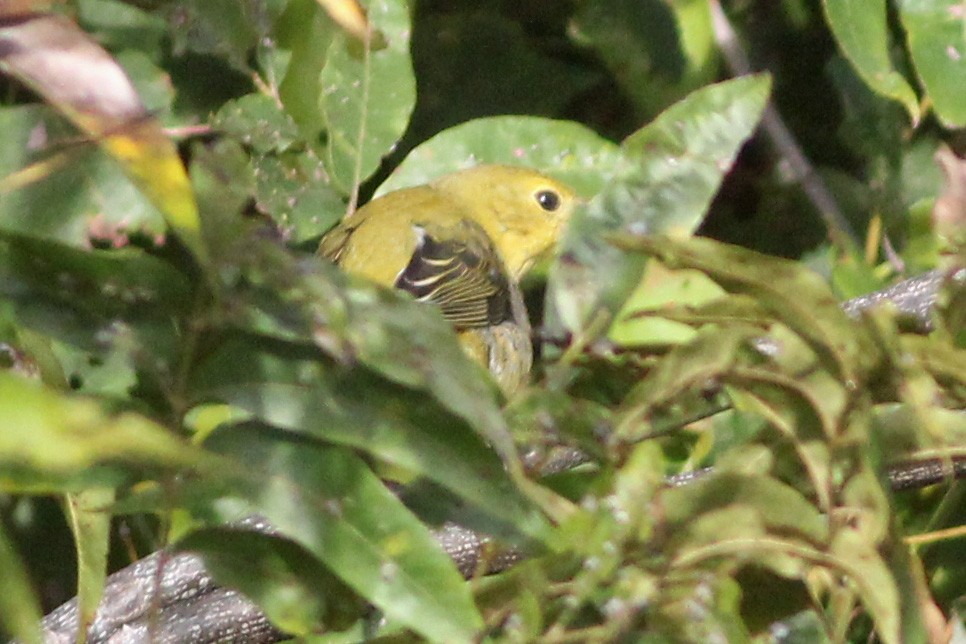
(377, 241)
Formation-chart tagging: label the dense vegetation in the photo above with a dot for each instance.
(177, 357)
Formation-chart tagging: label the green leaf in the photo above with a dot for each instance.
(644, 321)
(367, 97)
(52, 442)
(90, 520)
(298, 594)
(796, 296)
(19, 609)
(670, 171)
(355, 408)
(118, 25)
(776, 508)
(117, 305)
(291, 184)
(934, 32)
(307, 33)
(658, 51)
(225, 28)
(565, 150)
(329, 502)
(878, 591)
(80, 197)
(862, 31)
(712, 354)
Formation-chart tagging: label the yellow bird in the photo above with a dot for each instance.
(462, 242)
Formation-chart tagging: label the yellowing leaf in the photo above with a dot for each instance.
(51, 55)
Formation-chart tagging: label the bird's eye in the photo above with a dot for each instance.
(548, 200)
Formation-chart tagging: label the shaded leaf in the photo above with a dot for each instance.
(353, 407)
(295, 590)
(329, 502)
(473, 62)
(861, 29)
(658, 51)
(19, 609)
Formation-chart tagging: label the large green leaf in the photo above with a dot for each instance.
(668, 176)
(291, 184)
(934, 30)
(328, 501)
(367, 97)
(356, 408)
(565, 150)
(83, 196)
(49, 441)
(54, 57)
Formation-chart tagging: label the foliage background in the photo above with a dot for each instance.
(151, 338)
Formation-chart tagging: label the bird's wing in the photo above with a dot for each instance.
(457, 268)
(334, 242)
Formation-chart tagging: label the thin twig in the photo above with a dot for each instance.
(781, 137)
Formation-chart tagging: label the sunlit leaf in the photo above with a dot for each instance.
(48, 440)
(934, 32)
(669, 173)
(817, 316)
(351, 17)
(367, 97)
(565, 150)
(291, 184)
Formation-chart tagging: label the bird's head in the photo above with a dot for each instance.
(522, 210)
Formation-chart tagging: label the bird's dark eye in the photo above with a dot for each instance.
(548, 200)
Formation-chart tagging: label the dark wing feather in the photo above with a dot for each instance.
(458, 269)
(334, 242)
